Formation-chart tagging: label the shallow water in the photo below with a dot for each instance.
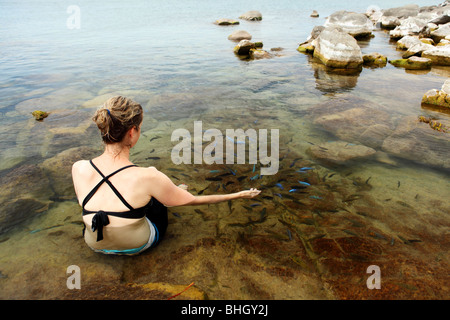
(390, 209)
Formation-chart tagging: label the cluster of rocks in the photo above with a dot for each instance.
(422, 32)
(364, 129)
(245, 49)
(249, 16)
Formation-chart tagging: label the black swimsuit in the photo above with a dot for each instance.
(155, 211)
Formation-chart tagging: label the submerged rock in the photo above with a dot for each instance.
(251, 16)
(355, 24)
(354, 119)
(239, 35)
(25, 191)
(418, 142)
(337, 49)
(412, 63)
(340, 151)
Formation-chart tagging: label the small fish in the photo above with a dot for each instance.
(233, 172)
(392, 241)
(304, 183)
(254, 167)
(255, 204)
(293, 162)
(331, 175)
(254, 177)
(155, 138)
(304, 169)
(263, 214)
(289, 234)
(213, 179)
(153, 150)
(176, 214)
(278, 195)
(199, 211)
(367, 181)
(215, 171)
(398, 184)
(152, 158)
(279, 186)
(229, 205)
(294, 190)
(174, 177)
(237, 141)
(315, 197)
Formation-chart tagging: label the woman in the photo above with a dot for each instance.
(124, 206)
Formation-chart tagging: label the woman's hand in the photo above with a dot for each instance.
(249, 193)
(183, 186)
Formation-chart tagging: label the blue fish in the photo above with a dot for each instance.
(237, 141)
(233, 172)
(315, 197)
(289, 234)
(255, 204)
(304, 183)
(279, 186)
(254, 167)
(215, 171)
(305, 168)
(293, 190)
(255, 177)
(278, 194)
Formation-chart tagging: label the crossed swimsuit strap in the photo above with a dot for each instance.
(100, 219)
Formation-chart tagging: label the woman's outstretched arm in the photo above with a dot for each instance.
(170, 195)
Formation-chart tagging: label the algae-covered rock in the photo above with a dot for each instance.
(306, 47)
(439, 55)
(375, 60)
(226, 22)
(412, 63)
(243, 47)
(439, 98)
(39, 115)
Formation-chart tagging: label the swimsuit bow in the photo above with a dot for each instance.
(99, 220)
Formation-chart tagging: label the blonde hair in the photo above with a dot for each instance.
(116, 117)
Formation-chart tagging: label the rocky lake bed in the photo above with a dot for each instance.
(360, 182)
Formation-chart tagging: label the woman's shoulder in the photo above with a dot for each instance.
(80, 165)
